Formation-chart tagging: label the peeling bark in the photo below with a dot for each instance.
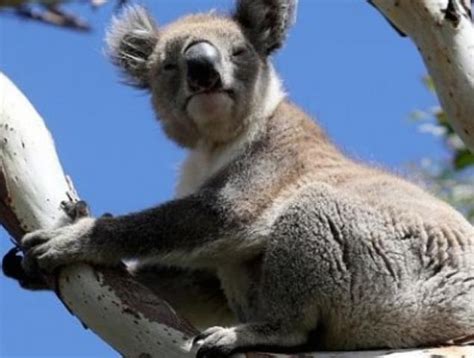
(126, 315)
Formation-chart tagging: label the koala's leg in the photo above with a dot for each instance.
(343, 269)
(195, 295)
(217, 342)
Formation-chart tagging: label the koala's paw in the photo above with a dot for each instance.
(216, 342)
(46, 250)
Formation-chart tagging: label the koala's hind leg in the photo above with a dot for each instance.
(195, 295)
(220, 342)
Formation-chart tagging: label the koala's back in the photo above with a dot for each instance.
(364, 257)
(300, 237)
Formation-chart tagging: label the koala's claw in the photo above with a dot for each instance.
(47, 258)
(202, 336)
(30, 265)
(33, 245)
(35, 238)
(216, 342)
(75, 209)
(43, 258)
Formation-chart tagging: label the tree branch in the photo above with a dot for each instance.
(444, 33)
(126, 315)
(32, 185)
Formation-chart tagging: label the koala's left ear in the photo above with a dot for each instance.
(131, 39)
(266, 22)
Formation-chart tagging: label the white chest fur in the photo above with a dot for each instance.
(201, 163)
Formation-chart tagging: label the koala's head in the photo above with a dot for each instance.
(208, 74)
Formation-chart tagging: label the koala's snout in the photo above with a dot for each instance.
(203, 62)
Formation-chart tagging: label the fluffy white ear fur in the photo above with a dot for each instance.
(130, 40)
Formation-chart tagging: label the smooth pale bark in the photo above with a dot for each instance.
(443, 31)
(32, 186)
(126, 315)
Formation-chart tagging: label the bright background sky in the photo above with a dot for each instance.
(343, 63)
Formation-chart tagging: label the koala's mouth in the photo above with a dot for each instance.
(210, 106)
(210, 93)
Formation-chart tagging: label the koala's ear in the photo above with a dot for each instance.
(130, 41)
(266, 22)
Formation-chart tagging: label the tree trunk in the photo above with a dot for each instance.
(123, 313)
(444, 34)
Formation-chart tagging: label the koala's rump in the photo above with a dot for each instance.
(367, 277)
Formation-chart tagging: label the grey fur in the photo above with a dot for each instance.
(131, 39)
(266, 23)
(311, 249)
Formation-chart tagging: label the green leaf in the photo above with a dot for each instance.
(428, 82)
(463, 159)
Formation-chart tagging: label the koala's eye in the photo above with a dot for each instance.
(239, 51)
(169, 67)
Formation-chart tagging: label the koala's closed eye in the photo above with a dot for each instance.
(311, 248)
(170, 67)
(240, 51)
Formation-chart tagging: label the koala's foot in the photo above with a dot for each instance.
(220, 342)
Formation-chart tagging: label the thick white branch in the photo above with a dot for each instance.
(123, 313)
(32, 186)
(444, 33)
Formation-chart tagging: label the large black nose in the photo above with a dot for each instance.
(202, 60)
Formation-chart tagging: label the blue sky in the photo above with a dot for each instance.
(343, 63)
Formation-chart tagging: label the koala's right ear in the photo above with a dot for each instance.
(131, 40)
(266, 22)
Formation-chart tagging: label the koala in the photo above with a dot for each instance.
(299, 246)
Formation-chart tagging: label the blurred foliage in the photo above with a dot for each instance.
(451, 178)
(51, 12)
(16, 3)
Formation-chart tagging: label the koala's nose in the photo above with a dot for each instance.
(202, 60)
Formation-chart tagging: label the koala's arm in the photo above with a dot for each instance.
(206, 227)
(180, 226)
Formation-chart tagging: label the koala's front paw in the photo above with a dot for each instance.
(216, 342)
(46, 250)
